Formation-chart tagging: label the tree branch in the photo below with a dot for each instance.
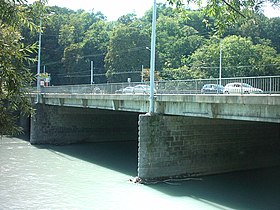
(233, 8)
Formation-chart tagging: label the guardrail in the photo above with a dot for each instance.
(267, 85)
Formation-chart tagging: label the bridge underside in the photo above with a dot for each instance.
(168, 145)
(67, 125)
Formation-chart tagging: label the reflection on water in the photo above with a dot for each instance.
(95, 176)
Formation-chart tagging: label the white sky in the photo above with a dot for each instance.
(113, 9)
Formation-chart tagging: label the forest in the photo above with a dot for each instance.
(188, 46)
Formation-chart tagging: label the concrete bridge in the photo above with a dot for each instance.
(190, 134)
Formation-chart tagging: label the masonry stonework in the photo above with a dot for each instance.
(66, 125)
(187, 146)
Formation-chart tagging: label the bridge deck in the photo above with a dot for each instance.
(252, 107)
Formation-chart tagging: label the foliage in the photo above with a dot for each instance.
(226, 13)
(176, 40)
(119, 49)
(15, 77)
(182, 73)
(63, 31)
(127, 52)
(95, 48)
(240, 57)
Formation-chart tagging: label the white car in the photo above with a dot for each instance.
(238, 87)
(138, 89)
(142, 89)
(128, 90)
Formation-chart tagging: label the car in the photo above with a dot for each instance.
(96, 90)
(128, 90)
(238, 87)
(212, 88)
(142, 89)
(119, 91)
(138, 89)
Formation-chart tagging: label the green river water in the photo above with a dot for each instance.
(96, 176)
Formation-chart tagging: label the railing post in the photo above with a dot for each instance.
(241, 86)
(270, 85)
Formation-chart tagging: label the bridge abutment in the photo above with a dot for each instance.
(171, 146)
(66, 125)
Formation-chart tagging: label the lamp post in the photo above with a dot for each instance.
(152, 61)
(142, 73)
(39, 60)
(91, 72)
(220, 72)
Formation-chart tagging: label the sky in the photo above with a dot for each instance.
(113, 9)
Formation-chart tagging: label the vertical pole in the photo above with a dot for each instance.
(220, 74)
(152, 62)
(270, 85)
(91, 72)
(39, 60)
(142, 73)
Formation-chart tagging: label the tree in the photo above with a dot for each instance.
(175, 40)
(52, 48)
(182, 73)
(127, 52)
(240, 57)
(84, 37)
(15, 77)
(127, 19)
(272, 31)
(74, 63)
(227, 12)
(95, 48)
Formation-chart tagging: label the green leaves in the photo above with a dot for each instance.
(240, 57)
(226, 12)
(15, 78)
(127, 53)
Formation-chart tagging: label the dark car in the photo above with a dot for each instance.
(212, 88)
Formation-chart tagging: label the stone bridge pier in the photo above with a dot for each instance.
(171, 146)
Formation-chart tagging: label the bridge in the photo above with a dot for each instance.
(191, 134)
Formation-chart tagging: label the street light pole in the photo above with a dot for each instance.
(152, 61)
(220, 73)
(91, 72)
(39, 60)
(142, 73)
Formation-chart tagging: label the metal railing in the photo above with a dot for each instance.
(267, 85)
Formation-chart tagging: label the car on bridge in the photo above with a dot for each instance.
(141, 89)
(138, 89)
(212, 88)
(127, 90)
(238, 87)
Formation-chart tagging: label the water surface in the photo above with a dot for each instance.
(96, 176)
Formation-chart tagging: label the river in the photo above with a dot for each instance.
(96, 176)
